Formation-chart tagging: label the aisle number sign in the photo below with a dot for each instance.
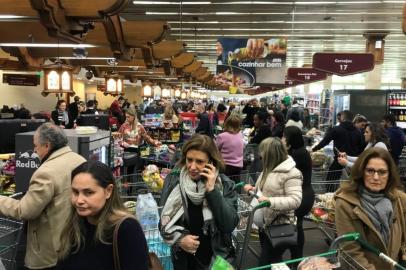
(343, 64)
(291, 83)
(306, 75)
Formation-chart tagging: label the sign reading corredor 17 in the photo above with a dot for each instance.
(343, 64)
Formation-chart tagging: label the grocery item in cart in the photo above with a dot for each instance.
(316, 263)
(147, 213)
(152, 178)
(319, 158)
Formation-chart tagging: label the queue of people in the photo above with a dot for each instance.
(78, 201)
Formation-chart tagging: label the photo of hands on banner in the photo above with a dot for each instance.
(245, 63)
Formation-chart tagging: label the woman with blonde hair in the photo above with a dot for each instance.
(86, 241)
(280, 183)
(231, 146)
(170, 119)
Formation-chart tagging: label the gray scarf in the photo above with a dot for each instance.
(379, 209)
(173, 209)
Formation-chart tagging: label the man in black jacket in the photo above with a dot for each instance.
(250, 109)
(346, 138)
(204, 126)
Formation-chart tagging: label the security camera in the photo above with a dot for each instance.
(89, 74)
(79, 52)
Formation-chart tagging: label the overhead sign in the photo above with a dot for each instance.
(244, 63)
(21, 79)
(291, 83)
(306, 75)
(343, 64)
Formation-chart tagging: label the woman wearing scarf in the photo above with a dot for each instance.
(200, 207)
(372, 204)
(60, 115)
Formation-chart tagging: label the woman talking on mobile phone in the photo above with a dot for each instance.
(199, 207)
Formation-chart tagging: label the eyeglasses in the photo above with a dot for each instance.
(371, 172)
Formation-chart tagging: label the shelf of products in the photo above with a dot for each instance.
(7, 172)
(313, 103)
(165, 135)
(397, 107)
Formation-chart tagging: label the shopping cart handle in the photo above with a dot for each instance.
(262, 205)
(240, 185)
(344, 238)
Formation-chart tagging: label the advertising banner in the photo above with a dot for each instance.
(244, 63)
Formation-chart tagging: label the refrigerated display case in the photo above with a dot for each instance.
(370, 103)
(94, 146)
(397, 106)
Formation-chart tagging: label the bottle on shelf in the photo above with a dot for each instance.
(401, 101)
(390, 100)
(401, 116)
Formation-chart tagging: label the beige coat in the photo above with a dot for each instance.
(46, 206)
(284, 187)
(350, 217)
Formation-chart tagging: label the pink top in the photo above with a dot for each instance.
(231, 148)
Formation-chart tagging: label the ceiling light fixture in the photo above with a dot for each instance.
(47, 45)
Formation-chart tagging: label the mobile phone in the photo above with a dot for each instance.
(204, 178)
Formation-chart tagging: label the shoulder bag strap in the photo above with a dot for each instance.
(116, 257)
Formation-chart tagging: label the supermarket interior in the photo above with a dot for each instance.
(202, 134)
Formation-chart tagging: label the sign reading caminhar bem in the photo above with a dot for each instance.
(306, 75)
(343, 64)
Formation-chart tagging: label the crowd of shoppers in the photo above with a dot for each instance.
(78, 201)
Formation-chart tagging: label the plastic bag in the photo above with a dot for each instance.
(221, 264)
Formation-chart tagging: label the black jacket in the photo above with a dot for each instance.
(397, 141)
(260, 134)
(304, 165)
(204, 126)
(250, 111)
(347, 138)
(277, 130)
(224, 208)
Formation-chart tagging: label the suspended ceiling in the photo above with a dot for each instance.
(310, 26)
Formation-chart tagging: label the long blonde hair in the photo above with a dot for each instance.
(273, 152)
(72, 237)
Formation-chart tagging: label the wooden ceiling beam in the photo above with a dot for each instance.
(141, 33)
(182, 60)
(195, 65)
(167, 49)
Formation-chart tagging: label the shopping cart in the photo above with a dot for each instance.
(128, 192)
(10, 233)
(338, 258)
(322, 213)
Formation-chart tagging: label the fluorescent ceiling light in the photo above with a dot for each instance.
(288, 22)
(5, 17)
(87, 58)
(47, 45)
(284, 29)
(171, 3)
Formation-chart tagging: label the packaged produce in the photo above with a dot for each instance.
(316, 263)
(152, 178)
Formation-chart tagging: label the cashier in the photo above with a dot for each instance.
(170, 119)
(60, 115)
(134, 133)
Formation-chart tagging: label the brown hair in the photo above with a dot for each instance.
(203, 143)
(357, 171)
(232, 124)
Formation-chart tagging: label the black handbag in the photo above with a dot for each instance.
(283, 235)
